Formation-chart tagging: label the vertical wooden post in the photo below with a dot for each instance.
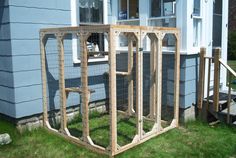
(44, 79)
(158, 80)
(201, 78)
(130, 76)
(84, 84)
(177, 79)
(229, 98)
(153, 60)
(208, 82)
(216, 78)
(139, 88)
(60, 45)
(112, 92)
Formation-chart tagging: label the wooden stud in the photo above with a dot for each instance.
(159, 80)
(84, 84)
(229, 98)
(208, 83)
(139, 81)
(176, 80)
(44, 79)
(112, 92)
(153, 60)
(201, 78)
(216, 79)
(60, 45)
(130, 77)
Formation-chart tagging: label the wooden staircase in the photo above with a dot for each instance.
(221, 105)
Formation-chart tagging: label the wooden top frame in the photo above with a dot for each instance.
(107, 28)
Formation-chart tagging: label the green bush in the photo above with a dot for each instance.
(232, 45)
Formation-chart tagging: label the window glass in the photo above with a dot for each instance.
(128, 9)
(217, 23)
(196, 8)
(133, 9)
(168, 7)
(155, 8)
(162, 8)
(91, 11)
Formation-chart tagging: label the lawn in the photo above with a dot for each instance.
(232, 64)
(195, 139)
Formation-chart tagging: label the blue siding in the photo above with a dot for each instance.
(20, 57)
(7, 106)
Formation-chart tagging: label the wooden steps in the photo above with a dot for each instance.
(232, 110)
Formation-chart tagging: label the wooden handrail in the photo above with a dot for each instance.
(227, 67)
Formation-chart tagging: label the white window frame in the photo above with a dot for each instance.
(75, 22)
(199, 31)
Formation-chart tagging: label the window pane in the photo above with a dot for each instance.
(168, 7)
(133, 9)
(91, 11)
(217, 23)
(155, 8)
(196, 32)
(196, 8)
(122, 9)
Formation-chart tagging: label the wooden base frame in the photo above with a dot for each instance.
(134, 33)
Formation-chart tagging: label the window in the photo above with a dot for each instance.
(91, 11)
(196, 8)
(162, 13)
(217, 23)
(128, 9)
(196, 32)
(160, 8)
(197, 23)
(87, 12)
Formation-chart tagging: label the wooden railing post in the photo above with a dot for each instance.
(229, 98)
(216, 78)
(201, 78)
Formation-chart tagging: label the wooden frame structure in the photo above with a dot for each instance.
(134, 33)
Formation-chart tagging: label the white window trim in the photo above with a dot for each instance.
(74, 22)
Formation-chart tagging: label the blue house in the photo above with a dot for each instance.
(203, 23)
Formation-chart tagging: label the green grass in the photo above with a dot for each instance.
(232, 64)
(99, 128)
(195, 139)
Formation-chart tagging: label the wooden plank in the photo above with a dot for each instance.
(44, 78)
(122, 73)
(208, 82)
(159, 81)
(112, 92)
(130, 77)
(229, 98)
(139, 80)
(60, 45)
(84, 84)
(153, 60)
(216, 78)
(232, 110)
(201, 78)
(227, 67)
(177, 80)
